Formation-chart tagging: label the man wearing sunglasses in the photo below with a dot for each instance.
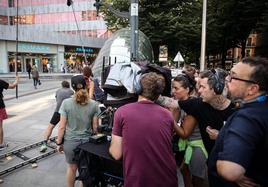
(240, 154)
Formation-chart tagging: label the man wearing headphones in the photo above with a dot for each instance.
(241, 149)
(142, 134)
(210, 110)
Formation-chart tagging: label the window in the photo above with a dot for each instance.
(249, 43)
(11, 20)
(10, 3)
(3, 20)
(247, 52)
(89, 15)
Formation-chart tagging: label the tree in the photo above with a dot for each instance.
(170, 22)
(178, 24)
(231, 23)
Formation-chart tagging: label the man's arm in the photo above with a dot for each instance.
(116, 147)
(95, 123)
(167, 102)
(61, 129)
(230, 171)
(14, 84)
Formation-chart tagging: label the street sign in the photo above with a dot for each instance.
(178, 58)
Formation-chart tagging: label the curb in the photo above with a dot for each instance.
(29, 93)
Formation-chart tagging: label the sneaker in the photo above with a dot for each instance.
(43, 148)
(3, 146)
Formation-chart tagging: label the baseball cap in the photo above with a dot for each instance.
(78, 82)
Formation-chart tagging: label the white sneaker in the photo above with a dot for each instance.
(3, 146)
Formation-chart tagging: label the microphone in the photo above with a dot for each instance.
(69, 2)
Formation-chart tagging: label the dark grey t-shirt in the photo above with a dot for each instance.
(61, 94)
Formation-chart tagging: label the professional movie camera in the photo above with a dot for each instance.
(106, 116)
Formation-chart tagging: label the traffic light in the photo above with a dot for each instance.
(97, 4)
(69, 2)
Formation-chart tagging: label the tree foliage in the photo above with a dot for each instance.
(178, 24)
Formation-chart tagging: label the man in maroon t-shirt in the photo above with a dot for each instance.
(142, 134)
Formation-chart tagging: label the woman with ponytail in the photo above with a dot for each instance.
(77, 122)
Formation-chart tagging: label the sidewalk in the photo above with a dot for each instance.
(29, 116)
(49, 81)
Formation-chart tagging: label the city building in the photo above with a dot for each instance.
(251, 43)
(49, 31)
(235, 54)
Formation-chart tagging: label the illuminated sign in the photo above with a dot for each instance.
(86, 49)
(33, 48)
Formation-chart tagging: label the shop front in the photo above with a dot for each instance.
(77, 57)
(31, 54)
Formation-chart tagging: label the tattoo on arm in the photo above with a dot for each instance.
(167, 102)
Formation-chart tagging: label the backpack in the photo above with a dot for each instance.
(87, 168)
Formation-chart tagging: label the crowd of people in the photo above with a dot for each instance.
(214, 128)
(229, 147)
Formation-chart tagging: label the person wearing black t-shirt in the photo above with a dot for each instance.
(210, 110)
(3, 114)
(239, 157)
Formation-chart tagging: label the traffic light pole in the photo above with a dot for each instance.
(133, 16)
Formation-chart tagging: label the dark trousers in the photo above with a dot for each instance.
(29, 74)
(35, 81)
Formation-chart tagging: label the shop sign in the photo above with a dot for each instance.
(33, 48)
(87, 50)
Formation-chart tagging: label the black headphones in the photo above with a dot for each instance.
(218, 83)
(239, 103)
(138, 88)
(187, 79)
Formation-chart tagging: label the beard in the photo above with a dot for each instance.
(229, 95)
(234, 98)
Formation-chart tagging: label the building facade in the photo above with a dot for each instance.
(49, 32)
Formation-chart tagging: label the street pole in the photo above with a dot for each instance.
(134, 13)
(17, 33)
(203, 37)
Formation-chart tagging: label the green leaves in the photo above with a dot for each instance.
(177, 23)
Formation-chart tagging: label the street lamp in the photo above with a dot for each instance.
(133, 15)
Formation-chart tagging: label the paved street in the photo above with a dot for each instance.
(28, 117)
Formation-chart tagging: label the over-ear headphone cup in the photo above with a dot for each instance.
(218, 88)
(219, 85)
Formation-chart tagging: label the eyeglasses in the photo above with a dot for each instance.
(230, 77)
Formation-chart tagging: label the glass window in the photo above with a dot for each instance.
(10, 3)
(249, 43)
(247, 52)
(3, 20)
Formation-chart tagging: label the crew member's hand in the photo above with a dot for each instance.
(247, 182)
(213, 133)
(60, 149)
(16, 82)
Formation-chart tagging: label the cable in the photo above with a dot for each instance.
(80, 34)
